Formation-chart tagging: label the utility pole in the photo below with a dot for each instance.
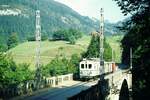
(38, 75)
(101, 40)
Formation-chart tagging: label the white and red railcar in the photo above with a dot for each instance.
(90, 68)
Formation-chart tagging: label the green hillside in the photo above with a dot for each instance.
(25, 52)
(115, 44)
(54, 16)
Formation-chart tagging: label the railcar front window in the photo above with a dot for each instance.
(82, 66)
(90, 66)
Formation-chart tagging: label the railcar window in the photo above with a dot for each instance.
(86, 65)
(82, 65)
(90, 66)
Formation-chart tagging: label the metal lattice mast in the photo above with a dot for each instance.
(38, 40)
(101, 37)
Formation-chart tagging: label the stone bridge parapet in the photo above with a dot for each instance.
(28, 86)
(115, 82)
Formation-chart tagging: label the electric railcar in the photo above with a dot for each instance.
(90, 68)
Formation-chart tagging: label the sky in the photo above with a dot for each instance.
(91, 8)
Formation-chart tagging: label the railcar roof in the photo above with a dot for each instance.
(94, 60)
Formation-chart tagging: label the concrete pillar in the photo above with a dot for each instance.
(70, 76)
(54, 81)
(61, 79)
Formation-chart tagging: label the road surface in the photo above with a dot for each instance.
(60, 93)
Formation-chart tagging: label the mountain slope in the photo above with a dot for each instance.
(19, 16)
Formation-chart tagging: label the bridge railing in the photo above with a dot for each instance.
(30, 85)
(53, 81)
(92, 93)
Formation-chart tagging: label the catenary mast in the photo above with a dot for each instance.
(101, 37)
(38, 45)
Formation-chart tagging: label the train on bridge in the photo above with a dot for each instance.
(91, 68)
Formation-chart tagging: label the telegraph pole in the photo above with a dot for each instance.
(101, 40)
(38, 75)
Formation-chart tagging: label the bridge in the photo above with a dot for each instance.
(120, 83)
(115, 86)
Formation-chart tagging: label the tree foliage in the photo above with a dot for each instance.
(32, 38)
(75, 59)
(137, 38)
(12, 40)
(93, 49)
(70, 35)
(12, 74)
(59, 66)
(3, 48)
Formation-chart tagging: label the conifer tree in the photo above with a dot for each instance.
(93, 49)
(12, 40)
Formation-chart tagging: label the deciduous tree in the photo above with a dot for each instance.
(137, 38)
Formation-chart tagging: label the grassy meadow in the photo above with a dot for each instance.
(25, 52)
(115, 44)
